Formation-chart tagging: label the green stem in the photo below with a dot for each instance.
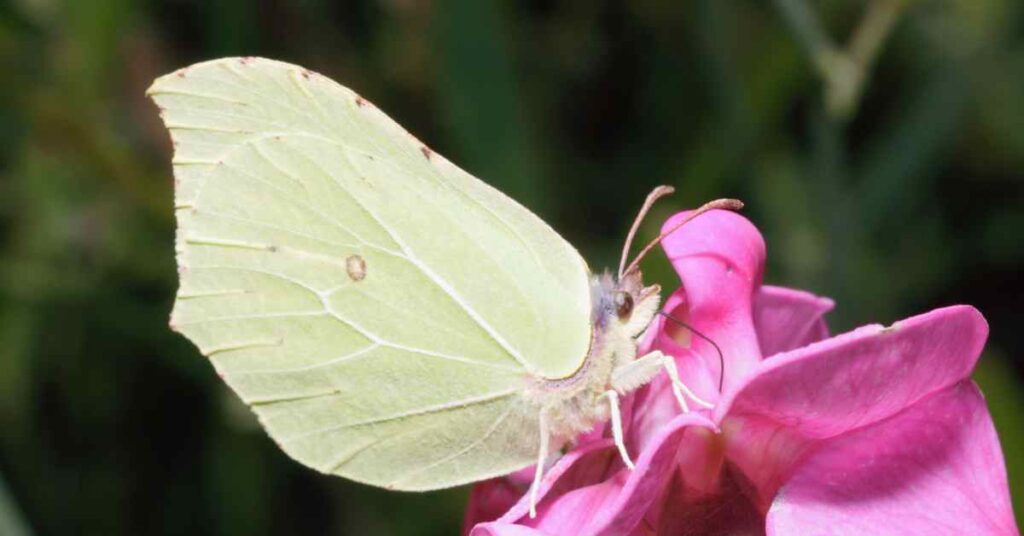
(843, 70)
(805, 24)
(878, 22)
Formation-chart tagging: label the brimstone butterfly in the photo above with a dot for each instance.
(388, 317)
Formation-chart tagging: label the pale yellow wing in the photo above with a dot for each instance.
(381, 310)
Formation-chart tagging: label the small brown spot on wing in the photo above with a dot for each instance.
(356, 267)
(360, 101)
(427, 153)
(306, 73)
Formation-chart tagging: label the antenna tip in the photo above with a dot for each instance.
(726, 204)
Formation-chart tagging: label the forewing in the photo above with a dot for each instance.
(381, 310)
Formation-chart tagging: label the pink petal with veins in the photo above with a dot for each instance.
(935, 468)
(841, 384)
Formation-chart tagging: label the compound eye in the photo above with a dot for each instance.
(623, 305)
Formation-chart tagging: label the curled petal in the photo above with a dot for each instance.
(787, 319)
(697, 361)
(935, 468)
(719, 257)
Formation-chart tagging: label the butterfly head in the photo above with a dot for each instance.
(624, 304)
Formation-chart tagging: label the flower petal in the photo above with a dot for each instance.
(935, 468)
(719, 257)
(862, 376)
(505, 529)
(574, 469)
(696, 360)
(841, 384)
(728, 510)
(787, 319)
(595, 494)
(489, 499)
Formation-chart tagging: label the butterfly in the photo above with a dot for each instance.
(387, 316)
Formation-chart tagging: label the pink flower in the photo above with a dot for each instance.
(876, 431)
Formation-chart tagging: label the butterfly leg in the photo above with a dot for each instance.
(636, 373)
(542, 457)
(678, 387)
(642, 370)
(616, 418)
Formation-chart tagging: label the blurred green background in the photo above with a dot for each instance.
(878, 144)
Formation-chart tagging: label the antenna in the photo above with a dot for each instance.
(657, 193)
(726, 204)
(721, 356)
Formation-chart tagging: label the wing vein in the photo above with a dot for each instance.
(331, 313)
(265, 225)
(490, 431)
(439, 281)
(347, 457)
(314, 366)
(437, 408)
(242, 88)
(289, 314)
(437, 327)
(313, 209)
(184, 93)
